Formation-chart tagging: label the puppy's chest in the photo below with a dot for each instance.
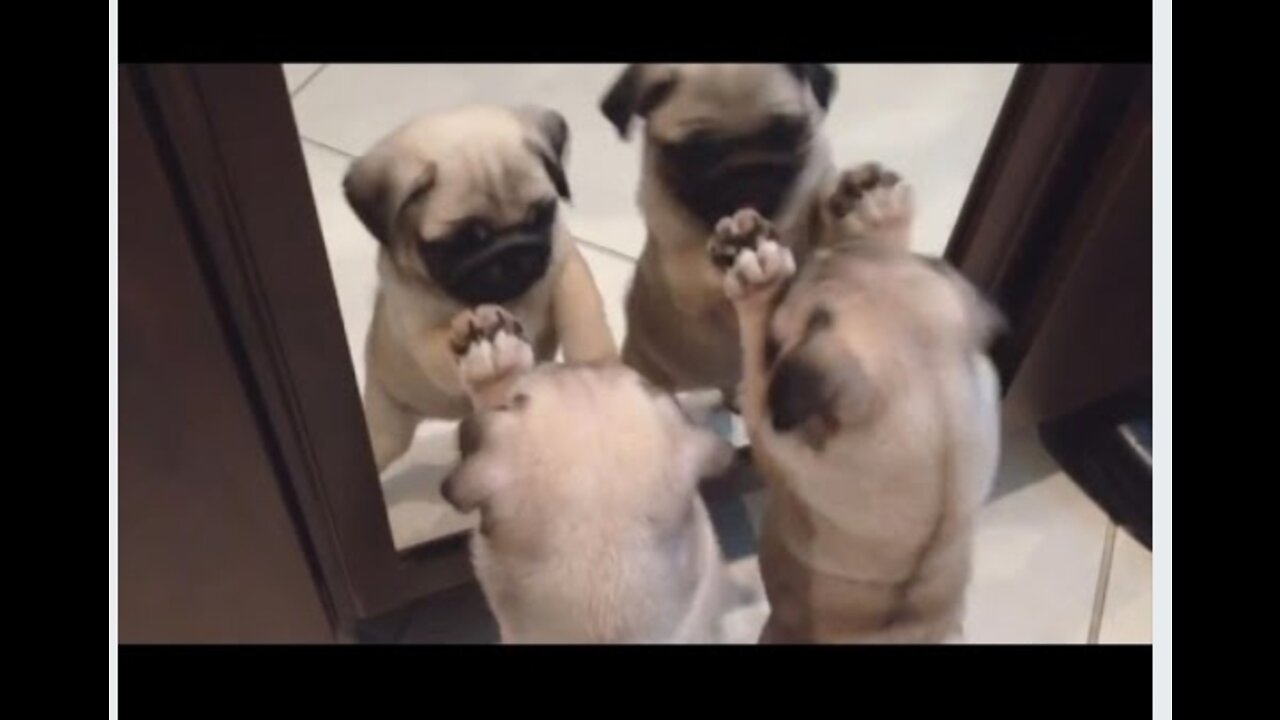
(848, 517)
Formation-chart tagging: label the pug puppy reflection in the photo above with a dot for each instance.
(719, 138)
(465, 206)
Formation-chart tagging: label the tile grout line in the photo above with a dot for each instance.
(1100, 589)
(328, 147)
(303, 86)
(607, 250)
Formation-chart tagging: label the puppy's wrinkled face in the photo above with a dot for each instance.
(725, 136)
(467, 200)
(594, 448)
(491, 240)
(854, 326)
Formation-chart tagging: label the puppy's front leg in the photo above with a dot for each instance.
(578, 311)
(868, 203)
(492, 353)
(757, 267)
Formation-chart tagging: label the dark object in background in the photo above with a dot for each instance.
(1057, 231)
(1107, 450)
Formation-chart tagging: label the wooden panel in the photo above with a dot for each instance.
(1094, 339)
(237, 153)
(1021, 171)
(1057, 230)
(208, 549)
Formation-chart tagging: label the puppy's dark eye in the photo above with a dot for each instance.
(784, 133)
(470, 233)
(454, 247)
(698, 148)
(705, 148)
(541, 215)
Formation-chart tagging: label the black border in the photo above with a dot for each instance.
(1084, 31)
(1022, 681)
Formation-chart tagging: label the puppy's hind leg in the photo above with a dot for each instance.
(492, 353)
(390, 424)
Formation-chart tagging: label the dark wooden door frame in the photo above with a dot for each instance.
(228, 134)
(210, 543)
(1057, 226)
(232, 147)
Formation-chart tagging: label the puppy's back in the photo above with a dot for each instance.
(608, 540)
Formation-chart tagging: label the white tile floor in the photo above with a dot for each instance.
(1041, 548)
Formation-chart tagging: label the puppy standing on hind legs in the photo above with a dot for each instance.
(585, 478)
(873, 412)
(716, 137)
(464, 206)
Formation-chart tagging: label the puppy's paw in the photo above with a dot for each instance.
(745, 245)
(489, 345)
(873, 203)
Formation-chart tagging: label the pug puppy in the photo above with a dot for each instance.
(718, 138)
(873, 412)
(465, 206)
(585, 477)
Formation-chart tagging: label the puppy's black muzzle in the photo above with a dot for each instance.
(496, 270)
(719, 189)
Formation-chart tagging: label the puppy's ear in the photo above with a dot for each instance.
(370, 186)
(550, 144)
(637, 91)
(551, 127)
(478, 475)
(820, 78)
(818, 380)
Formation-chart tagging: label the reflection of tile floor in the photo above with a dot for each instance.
(1041, 543)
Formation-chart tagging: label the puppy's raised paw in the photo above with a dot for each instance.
(873, 204)
(745, 245)
(489, 345)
